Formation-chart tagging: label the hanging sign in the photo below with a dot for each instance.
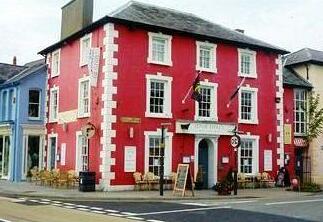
(88, 130)
(235, 141)
(93, 65)
(183, 180)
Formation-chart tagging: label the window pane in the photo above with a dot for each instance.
(158, 49)
(246, 105)
(205, 103)
(157, 96)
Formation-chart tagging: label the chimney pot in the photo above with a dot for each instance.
(14, 60)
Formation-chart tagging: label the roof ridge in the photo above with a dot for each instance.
(3, 63)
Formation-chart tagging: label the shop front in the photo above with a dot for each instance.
(205, 146)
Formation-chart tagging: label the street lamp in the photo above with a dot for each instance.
(161, 161)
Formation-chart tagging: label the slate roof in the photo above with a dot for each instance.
(292, 79)
(154, 17)
(30, 68)
(305, 55)
(8, 70)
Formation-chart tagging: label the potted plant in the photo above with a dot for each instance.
(225, 186)
(199, 179)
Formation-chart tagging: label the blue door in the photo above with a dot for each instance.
(203, 162)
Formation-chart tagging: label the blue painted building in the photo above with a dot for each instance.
(22, 111)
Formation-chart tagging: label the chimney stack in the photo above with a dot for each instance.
(14, 61)
(76, 15)
(239, 30)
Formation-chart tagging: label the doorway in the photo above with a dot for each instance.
(51, 160)
(4, 156)
(32, 153)
(203, 163)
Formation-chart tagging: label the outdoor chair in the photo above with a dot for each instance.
(35, 177)
(266, 180)
(151, 180)
(242, 180)
(62, 179)
(139, 182)
(54, 177)
(72, 178)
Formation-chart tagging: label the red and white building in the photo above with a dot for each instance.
(149, 57)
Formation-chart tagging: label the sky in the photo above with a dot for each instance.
(28, 26)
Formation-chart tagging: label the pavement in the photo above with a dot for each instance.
(25, 189)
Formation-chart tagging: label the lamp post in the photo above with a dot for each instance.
(235, 143)
(161, 160)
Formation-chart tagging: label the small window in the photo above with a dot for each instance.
(206, 59)
(247, 63)
(34, 104)
(85, 45)
(53, 105)
(248, 112)
(55, 63)
(84, 98)
(158, 96)
(159, 49)
(300, 107)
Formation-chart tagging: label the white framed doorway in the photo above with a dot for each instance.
(210, 144)
(52, 151)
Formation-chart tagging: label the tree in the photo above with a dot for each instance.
(315, 117)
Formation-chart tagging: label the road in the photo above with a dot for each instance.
(251, 210)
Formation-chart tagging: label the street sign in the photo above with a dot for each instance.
(235, 141)
(88, 130)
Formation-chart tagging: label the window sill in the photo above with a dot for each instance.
(159, 115)
(252, 76)
(81, 116)
(83, 64)
(209, 119)
(169, 63)
(253, 122)
(300, 134)
(34, 118)
(53, 76)
(53, 121)
(201, 69)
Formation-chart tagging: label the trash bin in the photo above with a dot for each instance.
(87, 181)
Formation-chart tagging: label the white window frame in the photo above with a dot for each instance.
(167, 100)
(39, 105)
(54, 74)
(51, 119)
(167, 153)
(214, 103)
(78, 152)
(254, 116)
(253, 65)
(80, 113)
(82, 51)
(255, 154)
(168, 48)
(305, 115)
(213, 67)
(53, 135)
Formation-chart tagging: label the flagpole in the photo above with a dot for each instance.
(189, 90)
(235, 92)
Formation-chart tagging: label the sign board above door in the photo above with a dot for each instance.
(204, 128)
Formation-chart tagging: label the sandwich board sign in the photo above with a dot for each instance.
(183, 180)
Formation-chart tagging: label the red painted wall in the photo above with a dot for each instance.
(131, 99)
